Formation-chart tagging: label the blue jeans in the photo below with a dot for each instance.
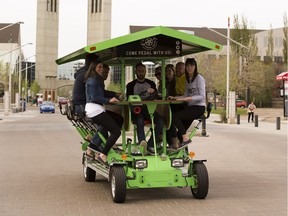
(139, 121)
(96, 138)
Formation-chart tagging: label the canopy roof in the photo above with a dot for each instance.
(282, 76)
(157, 43)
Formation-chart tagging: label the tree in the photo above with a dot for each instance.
(34, 88)
(247, 57)
(285, 39)
(2, 78)
(270, 48)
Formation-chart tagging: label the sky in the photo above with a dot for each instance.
(185, 13)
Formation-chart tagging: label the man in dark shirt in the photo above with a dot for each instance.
(79, 99)
(147, 90)
(79, 94)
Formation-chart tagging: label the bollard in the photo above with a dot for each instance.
(278, 122)
(256, 120)
(238, 118)
(203, 132)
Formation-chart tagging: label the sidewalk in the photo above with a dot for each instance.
(266, 121)
(30, 112)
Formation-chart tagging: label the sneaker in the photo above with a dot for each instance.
(184, 144)
(143, 147)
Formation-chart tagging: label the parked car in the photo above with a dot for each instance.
(63, 100)
(47, 106)
(241, 103)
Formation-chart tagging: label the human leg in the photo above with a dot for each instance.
(107, 122)
(159, 124)
(139, 121)
(118, 119)
(188, 114)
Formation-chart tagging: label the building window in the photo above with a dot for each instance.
(96, 6)
(116, 75)
(92, 6)
(55, 6)
(100, 6)
(267, 59)
(278, 59)
(51, 6)
(150, 71)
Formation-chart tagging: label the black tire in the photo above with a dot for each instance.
(89, 174)
(199, 171)
(242, 107)
(118, 184)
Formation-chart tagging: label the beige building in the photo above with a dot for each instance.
(47, 46)
(98, 29)
(99, 21)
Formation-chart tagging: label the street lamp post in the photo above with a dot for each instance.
(228, 63)
(20, 78)
(228, 73)
(10, 75)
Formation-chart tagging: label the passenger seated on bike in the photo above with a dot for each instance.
(147, 90)
(94, 108)
(79, 98)
(79, 95)
(196, 100)
(95, 141)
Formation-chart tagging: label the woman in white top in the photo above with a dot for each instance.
(95, 100)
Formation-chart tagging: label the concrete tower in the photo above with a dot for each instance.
(99, 21)
(47, 46)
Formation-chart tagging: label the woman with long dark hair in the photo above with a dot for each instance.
(94, 108)
(195, 97)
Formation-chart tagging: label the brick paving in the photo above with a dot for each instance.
(41, 172)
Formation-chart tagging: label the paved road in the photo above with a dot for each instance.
(41, 173)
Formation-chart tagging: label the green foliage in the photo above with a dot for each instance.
(2, 72)
(34, 88)
(285, 39)
(222, 113)
(65, 91)
(114, 87)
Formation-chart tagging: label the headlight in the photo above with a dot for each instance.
(177, 162)
(141, 164)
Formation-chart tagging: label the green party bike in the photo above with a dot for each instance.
(129, 167)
